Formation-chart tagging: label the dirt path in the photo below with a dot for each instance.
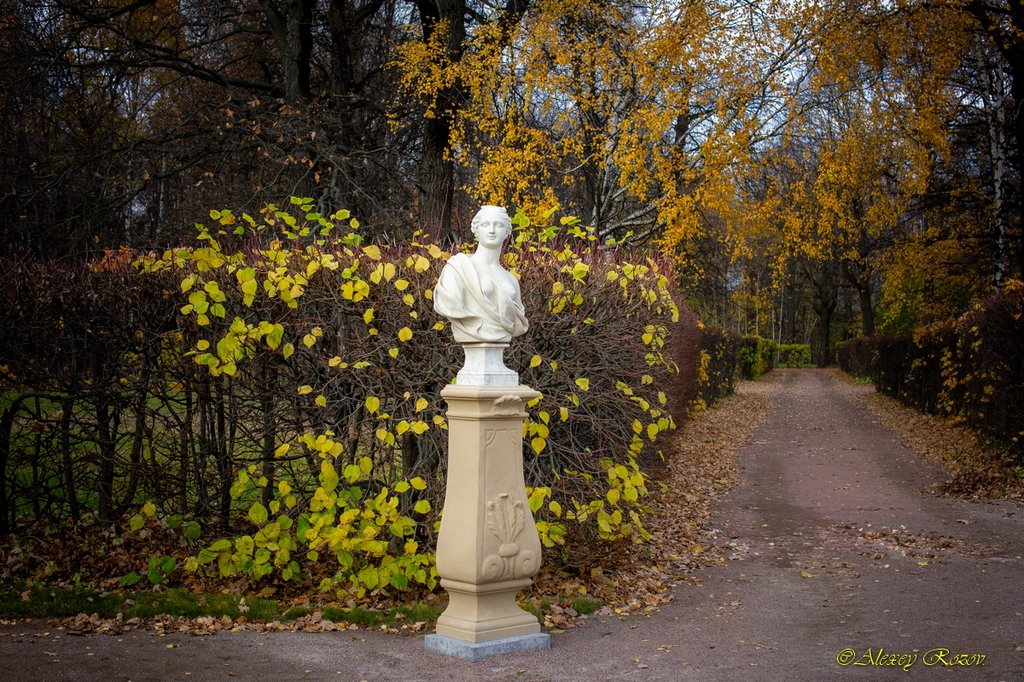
(833, 551)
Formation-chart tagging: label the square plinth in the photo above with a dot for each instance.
(474, 651)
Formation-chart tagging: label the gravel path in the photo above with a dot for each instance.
(832, 552)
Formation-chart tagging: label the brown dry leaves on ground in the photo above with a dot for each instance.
(974, 468)
(207, 625)
(699, 468)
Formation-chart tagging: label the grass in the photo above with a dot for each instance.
(67, 601)
(586, 605)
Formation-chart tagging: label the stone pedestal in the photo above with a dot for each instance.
(488, 548)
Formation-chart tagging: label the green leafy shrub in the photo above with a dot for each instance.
(717, 367)
(794, 355)
(293, 303)
(755, 356)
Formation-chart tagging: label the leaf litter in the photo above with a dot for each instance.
(975, 467)
(699, 468)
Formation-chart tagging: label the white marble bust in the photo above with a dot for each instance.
(480, 298)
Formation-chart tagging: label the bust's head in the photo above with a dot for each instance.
(491, 226)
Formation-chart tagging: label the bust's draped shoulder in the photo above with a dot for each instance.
(478, 313)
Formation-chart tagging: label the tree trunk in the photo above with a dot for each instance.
(1005, 27)
(291, 24)
(1017, 92)
(6, 424)
(824, 278)
(436, 176)
(789, 311)
(995, 115)
(105, 452)
(867, 310)
(268, 408)
(225, 470)
(70, 490)
(436, 179)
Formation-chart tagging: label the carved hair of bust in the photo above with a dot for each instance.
(488, 211)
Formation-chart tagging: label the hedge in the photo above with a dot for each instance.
(756, 356)
(281, 379)
(971, 370)
(794, 355)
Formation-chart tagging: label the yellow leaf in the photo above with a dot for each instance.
(401, 284)
(368, 316)
(535, 361)
(584, 384)
(287, 350)
(372, 251)
(282, 450)
(304, 390)
(321, 401)
(393, 352)
(404, 334)
(538, 445)
(421, 404)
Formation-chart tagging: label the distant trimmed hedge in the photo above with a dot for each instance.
(971, 369)
(794, 355)
(755, 356)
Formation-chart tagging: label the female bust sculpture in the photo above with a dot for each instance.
(481, 299)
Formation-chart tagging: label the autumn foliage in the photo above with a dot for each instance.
(971, 370)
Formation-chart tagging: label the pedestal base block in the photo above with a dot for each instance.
(474, 651)
(482, 613)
